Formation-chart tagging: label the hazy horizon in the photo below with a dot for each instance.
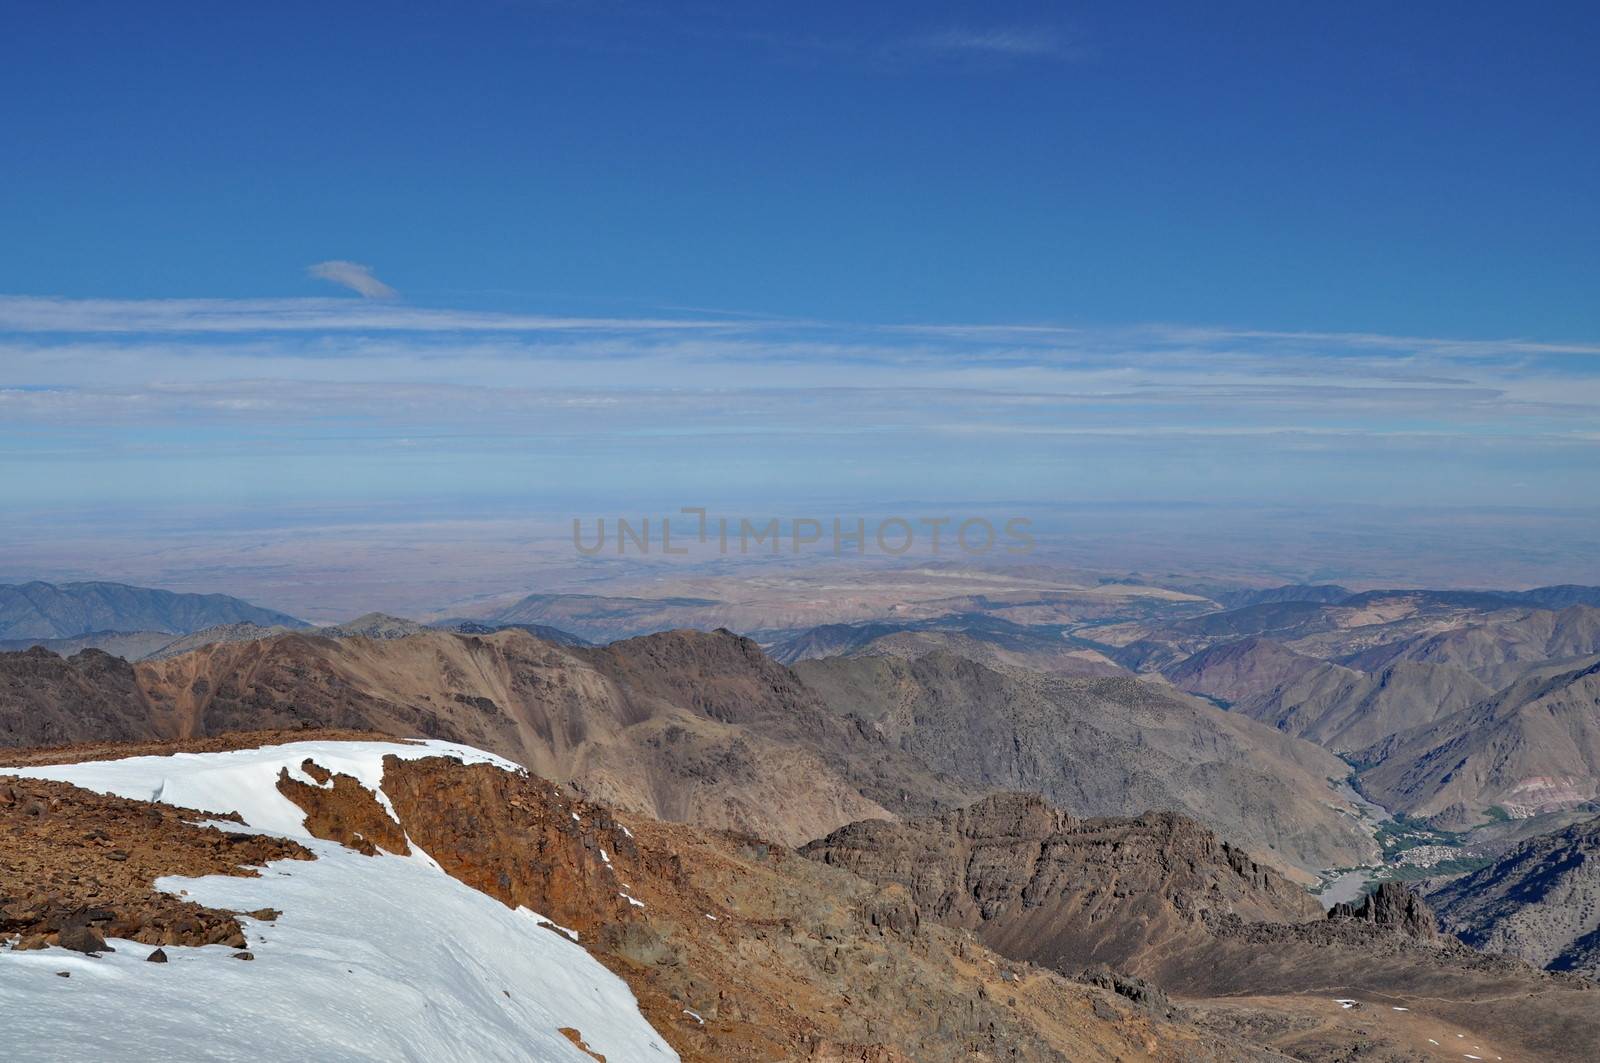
(1111, 268)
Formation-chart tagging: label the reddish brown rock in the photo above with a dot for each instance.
(82, 864)
(777, 957)
(344, 811)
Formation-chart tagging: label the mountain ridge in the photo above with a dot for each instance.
(69, 610)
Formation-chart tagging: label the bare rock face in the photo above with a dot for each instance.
(1139, 990)
(1392, 905)
(1533, 747)
(1103, 747)
(1187, 922)
(344, 811)
(1539, 901)
(1038, 883)
(739, 950)
(46, 699)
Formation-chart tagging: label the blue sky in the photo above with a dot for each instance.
(586, 255)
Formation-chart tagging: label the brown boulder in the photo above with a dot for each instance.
(85, 939)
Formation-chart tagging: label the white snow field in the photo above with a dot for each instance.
(373, 958)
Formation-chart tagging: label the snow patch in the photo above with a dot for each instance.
(373, 958)
(246, 780)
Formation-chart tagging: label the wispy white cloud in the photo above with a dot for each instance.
(23, 313)
(273, 368)
(353, 275)
(771, 337)
(1013, 42)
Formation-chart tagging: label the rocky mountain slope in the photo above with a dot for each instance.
(1105, 747)
(1499, 651)
(1534, 746)
(703, 727)
(382, 955)
(51, 611)
(1337, 707)
(684, 725)
(989, 640)
(1540, 902)
(1243, 673)
(46, 699)
(1057, 656)
(1490, 634)
(1174, 911)
(1064, 891)
(552, 928)
(129, 645)
(158, 645)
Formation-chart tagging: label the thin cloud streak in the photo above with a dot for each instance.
(35, 314)
(49, 314)
(1010, 42)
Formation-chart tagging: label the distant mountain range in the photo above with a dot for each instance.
(1457, 706)
(704, 727)
(1451, 716)
(683, 725)
(990, 640)
(1335, 706)
(159, 645)
(69, 610)
(1556, 597)
(602, 618)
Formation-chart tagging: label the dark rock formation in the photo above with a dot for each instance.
(1065, 891)
(1394, 906)
(89, 697)
(82, 938)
